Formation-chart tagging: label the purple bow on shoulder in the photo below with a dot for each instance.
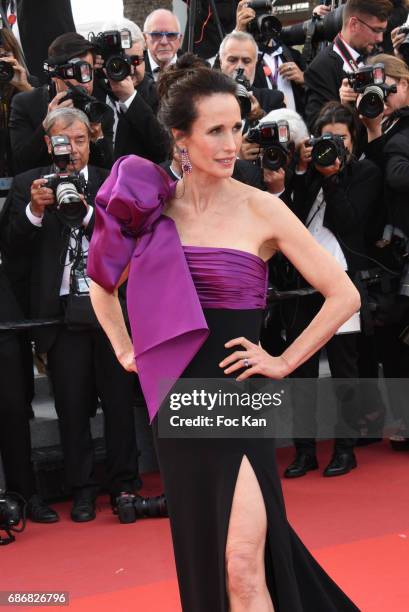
(167, 322)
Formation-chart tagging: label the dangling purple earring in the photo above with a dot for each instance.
(186, 163)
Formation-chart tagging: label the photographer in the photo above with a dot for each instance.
(364, 25)
(333, 194)
(163, 39)
(15, 442)
(29, 110)
(49, 221)
(14, 78)
(388, 145)
(278, 67)
(132, 95)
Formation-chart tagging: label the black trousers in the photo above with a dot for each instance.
(83, 365)
(15, 442)
(342, 356)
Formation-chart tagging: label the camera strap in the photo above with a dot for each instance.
(345, 54)
(79, 281)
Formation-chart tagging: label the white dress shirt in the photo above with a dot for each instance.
(354, 54)
(274, 61)
(38, 222)
(327, 240)
(155, 66)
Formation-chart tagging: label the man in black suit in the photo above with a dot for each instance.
(278, 67)
(135, 102)
(29, 110)
(239, 50)
(364, 24)
(15, 442)
(163, 39)
(81, 361)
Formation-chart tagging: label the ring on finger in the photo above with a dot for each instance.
(246, 363)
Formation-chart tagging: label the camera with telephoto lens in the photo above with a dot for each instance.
(67, 186)
(243, 92)
(274, 140)
(75, 69)
(265, 25)
(132, 507)
(370, 82)
(11, 514)
(111, 46)
(326, 149)
(93, 108)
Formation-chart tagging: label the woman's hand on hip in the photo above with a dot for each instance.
(254, 359)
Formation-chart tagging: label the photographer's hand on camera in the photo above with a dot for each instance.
(346, 93)
(249, 151)
(124, 89)
(373, 125)
(292, 72)
(56, 102)
(397, 38)
(19, 80)
(322, 10)
(244, 15)
(41, 197)
(274, 180)
(304, 157)
(329, 171)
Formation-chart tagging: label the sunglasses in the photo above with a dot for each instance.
(172, 36)
(136, 60)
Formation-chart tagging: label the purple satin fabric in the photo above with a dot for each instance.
(227, 278)
(167, 322)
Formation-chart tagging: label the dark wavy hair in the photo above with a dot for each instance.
(335, 112)
(181, 86)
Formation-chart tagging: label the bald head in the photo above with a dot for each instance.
(163, 36)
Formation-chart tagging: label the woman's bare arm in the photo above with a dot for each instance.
(109, 313)
(286, 233)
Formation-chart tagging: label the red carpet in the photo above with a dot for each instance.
(357, 526)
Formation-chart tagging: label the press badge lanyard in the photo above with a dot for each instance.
(345, 54)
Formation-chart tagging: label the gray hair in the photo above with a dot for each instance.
(298, 129)
(126, 24)
(241, 37)
(67, 116)
(154, 13)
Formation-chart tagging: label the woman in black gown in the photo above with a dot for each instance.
(234, 549)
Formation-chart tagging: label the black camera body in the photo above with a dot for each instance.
(67, 186)
(274, 140)
(6, 71)
(265, 26)
(11, 514)
(370, 82)
(111, 46)
(326, 149)
(131, 507)
(243, 92)
(93, 108)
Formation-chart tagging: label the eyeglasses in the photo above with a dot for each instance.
(137, 60)
(171, 36)
(374, 30)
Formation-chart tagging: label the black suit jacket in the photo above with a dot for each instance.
(140, 133)
(323, 78)
(34, 257)
(9, 307)
(351, 198)
(28, 110)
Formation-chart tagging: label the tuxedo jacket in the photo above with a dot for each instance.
(9, 308)
(139, 132)
(34, 257)
(28, 110)
(323, 78)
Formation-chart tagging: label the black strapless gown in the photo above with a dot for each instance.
(199, 477)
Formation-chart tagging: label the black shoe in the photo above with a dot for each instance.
(303, 463)
(341, 463)
(38, 511)
(83, 508)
